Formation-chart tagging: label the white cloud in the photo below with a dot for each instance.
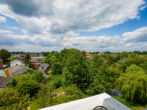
(53, 24)
(46, 42)
(61, 16)
(2, 19)
(139, 35)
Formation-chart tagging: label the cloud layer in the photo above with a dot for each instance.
(52, 24)
(129, 41)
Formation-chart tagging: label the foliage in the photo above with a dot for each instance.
(73, 92)
(56, 81)
(12, 100)
(12, 58)
(30, 87)
(4, 54)
(6, 72)
(67, 77)
(37, 76)
(133, 84)
(45, 96)
(27, 58)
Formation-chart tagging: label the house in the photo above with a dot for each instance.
(17, 70)
(3, 82)
(98, 102)
(88, 55)
(1, 63)
(36, 61)
(21, 58)
(16, 62)
(44, 68)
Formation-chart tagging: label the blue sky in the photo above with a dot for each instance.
(35, 25)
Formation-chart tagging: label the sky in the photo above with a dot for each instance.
(90, 25)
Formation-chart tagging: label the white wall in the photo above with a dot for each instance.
(16, 62)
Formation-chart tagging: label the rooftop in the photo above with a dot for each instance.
(90, 103)
(3, 81)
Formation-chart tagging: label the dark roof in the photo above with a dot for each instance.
(3, 81)
(18, 70)
(44, 66)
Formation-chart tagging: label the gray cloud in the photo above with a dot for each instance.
(62, 16)
(22, 7)
(29, 7)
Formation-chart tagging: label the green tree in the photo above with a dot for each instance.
(30, 87)
(77, 64)
(55, 80)
(12, 100)
(27, 58)
(4, 54)
(45, 96)
(67, 77)
(133, 84)
(72, 92)
(37, 76)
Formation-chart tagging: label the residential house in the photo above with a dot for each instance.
(44, 68)
(3, 82)
(98, 102)
(88, 55)
(16, 62)
(1, 63)
(36, 61)
(17, 70)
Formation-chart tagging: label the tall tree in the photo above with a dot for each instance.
(4, 54)
(133, 84)
(27, 58)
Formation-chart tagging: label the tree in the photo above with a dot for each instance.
(12, 100)
(30, 87)
(97, 86)
(37, 76)
(4, 54)
(27, 58)
(67, 77)
(72, 92)
(45, 96)
(55, 80)
(77, 64)
(133, 85)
